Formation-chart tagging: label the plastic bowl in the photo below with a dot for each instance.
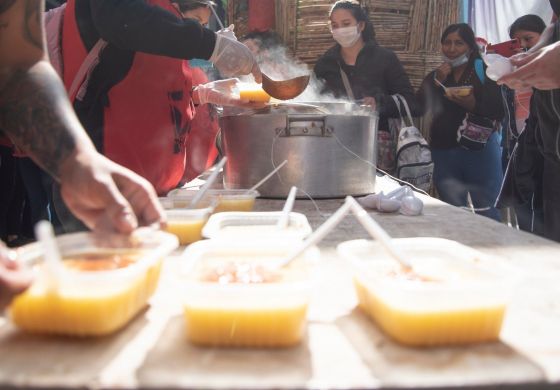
(225, 200)
(79, 302)
(459, 91)
(264, 315)
(255, 226)
(187, 224)
(464, 304)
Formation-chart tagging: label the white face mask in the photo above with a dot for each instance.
(346, 36)
(461, 60)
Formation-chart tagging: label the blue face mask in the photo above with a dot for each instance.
(461, 60)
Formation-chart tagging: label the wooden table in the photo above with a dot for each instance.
(342, 348)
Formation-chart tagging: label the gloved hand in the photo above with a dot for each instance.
(228, 32)
(233, 58)
(221, 93)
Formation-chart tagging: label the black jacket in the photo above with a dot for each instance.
(130, 26)
(378, 73)
(447, 116)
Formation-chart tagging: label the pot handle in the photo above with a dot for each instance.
(305, 125)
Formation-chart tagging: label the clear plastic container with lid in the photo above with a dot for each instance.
(225, 200)
(232, 299)
(187, 224)
(101, 284)
(455, 294)
(256, 225)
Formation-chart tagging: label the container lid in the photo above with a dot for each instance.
(256, 225)
(458, 275)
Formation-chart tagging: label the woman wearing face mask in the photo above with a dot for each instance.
(465, 147)
(373, 73)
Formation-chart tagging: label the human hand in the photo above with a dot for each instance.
(443, 72)
(370, 101)
(221, 93)
(107, 196)
(538, 69)
(233, 58)
(14, 279)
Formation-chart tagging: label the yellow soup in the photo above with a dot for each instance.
(226, 204)
(432, 328)
(254, 95)
(86, 311)
(279, 327)
(186, 231)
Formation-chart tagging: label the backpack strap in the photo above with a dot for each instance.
(479, 69)
(346, 83)
(398, 97)
(79, 84)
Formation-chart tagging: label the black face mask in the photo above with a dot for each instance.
(555, 4)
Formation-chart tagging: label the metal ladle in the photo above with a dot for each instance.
(284, 89)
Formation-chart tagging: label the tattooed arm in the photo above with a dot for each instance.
(36, 114)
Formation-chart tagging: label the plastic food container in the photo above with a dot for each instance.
(255, 226)
(100, 286)
(253, 93)
(225, 200)
(187, 224)
(462, 91)
(463, 301)
(245, 312)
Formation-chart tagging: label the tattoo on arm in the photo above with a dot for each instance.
(29, 115)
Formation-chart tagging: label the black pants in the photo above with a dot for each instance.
(551, 200)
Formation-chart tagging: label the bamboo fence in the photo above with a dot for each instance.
(412, 28)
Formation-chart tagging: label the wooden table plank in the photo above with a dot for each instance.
(342, 348)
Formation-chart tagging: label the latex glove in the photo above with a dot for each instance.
(221, 93)
(228, 32)
(233, 58)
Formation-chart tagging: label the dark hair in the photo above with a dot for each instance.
(531, 23)
(360, 14)
(189, 5)
(466, 33)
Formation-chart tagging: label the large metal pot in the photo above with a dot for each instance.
(330, 149)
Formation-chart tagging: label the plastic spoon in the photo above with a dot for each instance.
(211, 179)
(377, 232)
(267, 176)
(440, 84)
(53, 260)
(317, 236)
(284, 219)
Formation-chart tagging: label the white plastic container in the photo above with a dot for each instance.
(225, 200)
(464, 300)
(80, 301)
(187, 224)
(256, 226)
(237, 314)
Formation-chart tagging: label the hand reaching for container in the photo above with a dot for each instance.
(221, 93)
(233, 58)
(538, 69)
(14, 279)
(107, 196)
